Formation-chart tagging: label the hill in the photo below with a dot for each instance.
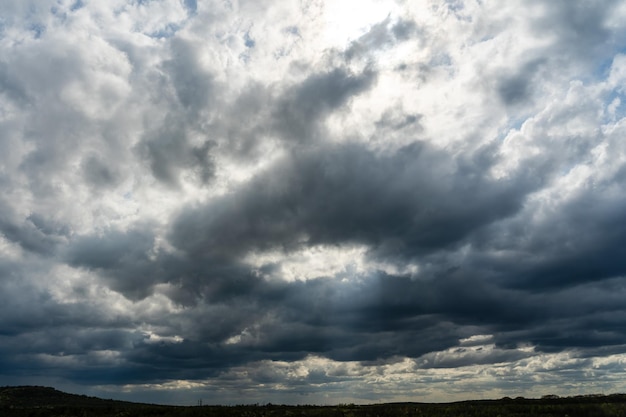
(37, 397)
(37, 401)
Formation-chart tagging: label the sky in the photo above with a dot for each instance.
(313, 201)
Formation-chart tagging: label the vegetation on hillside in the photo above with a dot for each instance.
(48, 402)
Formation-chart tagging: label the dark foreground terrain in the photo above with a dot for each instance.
(43, 401)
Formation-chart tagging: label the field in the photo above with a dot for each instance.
(43, 401)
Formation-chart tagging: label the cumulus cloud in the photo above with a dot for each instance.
(262, 201)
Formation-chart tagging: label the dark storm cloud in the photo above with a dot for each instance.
(69, 340)
(123, 257)
(170, 154)
(293, 114)
(407, 203)
(582, 243)
(323, 202)
(301, 107)
(34, 233)
(132, 265)
(382, 317)
(313, 317)
(301, 325)
(342, 323)
(584, 317)
(68, 352)
(38, 332)
(37, 320)
(366, 325)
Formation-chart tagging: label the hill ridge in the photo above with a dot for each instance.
(32, 400)
(36, 396)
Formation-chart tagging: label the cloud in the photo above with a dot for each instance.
(410, 202)
(124, 257)
(226, 199)
(318, 95)
(191, 82)
(170, 154)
